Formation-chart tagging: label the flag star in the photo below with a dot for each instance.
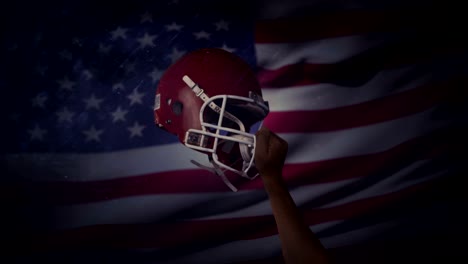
(119, 32)
(65, 55)
(65, 115)
(93, 102)
(155, 74)
(146, 40)
(136, 130)
(146, 17)
(135, 97)
(39, 101)
(77, 41)
(175, 55)
(66, 84)
(87, 74)
(37, 133)
(174, 27)
(118, 86)
(202, 35)
(222, 25)
(104, 49)
(226, 48)
(118, 114)
(93, 134)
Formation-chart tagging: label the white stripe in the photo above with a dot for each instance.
(303, 148)
(103, 166)
(327, 96)
(363, 140)
(154, 208)
(325, 51)
(390, 185)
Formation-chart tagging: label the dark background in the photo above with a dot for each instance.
(440, 21)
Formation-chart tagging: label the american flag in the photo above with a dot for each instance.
(369, 100)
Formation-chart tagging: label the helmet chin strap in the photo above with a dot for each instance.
(216, 170)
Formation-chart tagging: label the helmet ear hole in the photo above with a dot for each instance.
(177, 107)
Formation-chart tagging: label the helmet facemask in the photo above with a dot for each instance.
(229, 124)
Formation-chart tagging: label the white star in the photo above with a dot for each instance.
(104, 49)
(39, 101)
(155, 74)
(66, 84)
(119, 33)
(93, 134)
(146, 40)
(202, 35)
(146, 17)
(118, 114)
(136, 130)
(174, 27)
(77, 41)
(226, 48)
(65, 115)
(65, 55)
(175, 55)
(87, 74)
(135, 97)
(118, 86)
(222, 25)
(93, 102)
(37, 133)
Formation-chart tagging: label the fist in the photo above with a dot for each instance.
(270, 153)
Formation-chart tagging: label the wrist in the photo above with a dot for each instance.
(273, 181)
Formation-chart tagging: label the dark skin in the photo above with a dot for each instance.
(299, 244)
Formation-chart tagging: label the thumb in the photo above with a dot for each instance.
(262, 137)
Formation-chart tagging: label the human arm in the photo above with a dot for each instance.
(299, 244)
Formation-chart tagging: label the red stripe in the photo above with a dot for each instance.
(203, 231)
(299, 29)
(195, 181)
(379, 110)
(361, 68)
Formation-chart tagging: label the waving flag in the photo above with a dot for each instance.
(367, 98)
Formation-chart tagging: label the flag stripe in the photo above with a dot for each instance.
(304, 148)
(332, 50)
(357, 70)
(152, 208)
(175, 234)
(371, 112)
(300, 174)
(291, 29)
(325, 96)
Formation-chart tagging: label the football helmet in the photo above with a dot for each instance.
(212, 101)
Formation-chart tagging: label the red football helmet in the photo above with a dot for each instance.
(212, 101)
